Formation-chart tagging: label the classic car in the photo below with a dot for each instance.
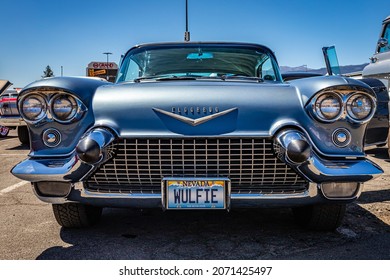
(9, 115)
(379, 66)
(194, 126)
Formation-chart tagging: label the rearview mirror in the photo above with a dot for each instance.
(332, 63)
(382, 42)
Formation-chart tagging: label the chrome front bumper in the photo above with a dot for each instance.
(74, 171)
(312, 195)
(291, 146)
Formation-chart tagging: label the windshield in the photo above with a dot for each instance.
(198, 61)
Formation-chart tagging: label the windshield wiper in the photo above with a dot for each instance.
(172, 78)
(241, 78)
(137, 80)
(165, 78)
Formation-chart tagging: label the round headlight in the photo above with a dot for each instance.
(359, 106)
(328, 106)
(33, 107)
(64, 107)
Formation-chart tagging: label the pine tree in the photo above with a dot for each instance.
(48, 72)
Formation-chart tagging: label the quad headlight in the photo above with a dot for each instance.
(64, 107)
(360, 106)
(355, 106)
(33, 107)
(39, 106)
(328, 106)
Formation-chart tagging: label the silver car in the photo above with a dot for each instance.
(194, 126)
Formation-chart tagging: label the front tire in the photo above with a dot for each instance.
(23, 135)
(326, 217)
(75, 215)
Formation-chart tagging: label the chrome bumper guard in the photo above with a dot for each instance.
(69, 169)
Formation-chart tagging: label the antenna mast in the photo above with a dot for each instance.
(187, 33)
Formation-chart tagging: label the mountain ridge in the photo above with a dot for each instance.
(343, 69)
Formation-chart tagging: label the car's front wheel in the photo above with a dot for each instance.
(324, 217)
(23, 135)
(75, 215)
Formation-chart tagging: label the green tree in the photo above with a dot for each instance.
(48, 72)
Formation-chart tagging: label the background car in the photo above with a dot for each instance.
(9, 113)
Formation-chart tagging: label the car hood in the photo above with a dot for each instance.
(198, 108)
(4, 84)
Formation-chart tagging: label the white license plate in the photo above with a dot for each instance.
(196, 193)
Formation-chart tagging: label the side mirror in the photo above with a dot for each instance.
(331, 61)
(382, 42)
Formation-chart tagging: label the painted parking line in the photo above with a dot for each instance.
(13, 187)
(9, 139)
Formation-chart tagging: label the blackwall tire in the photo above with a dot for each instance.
(23, 135)
(75, 215)
(326, 217)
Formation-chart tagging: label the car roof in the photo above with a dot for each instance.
(4, 84)
(200, 43)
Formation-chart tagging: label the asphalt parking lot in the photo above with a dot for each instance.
(28, 229)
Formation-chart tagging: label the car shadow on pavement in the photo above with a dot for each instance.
(379, 153)
(241, 234)
(375, 196)
(20, 147)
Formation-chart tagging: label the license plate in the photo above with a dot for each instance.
(196, 193)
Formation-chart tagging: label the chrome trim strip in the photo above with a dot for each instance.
(89, 194)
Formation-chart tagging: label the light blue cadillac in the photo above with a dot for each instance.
(190, 126)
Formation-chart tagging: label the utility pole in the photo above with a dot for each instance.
(107, 53)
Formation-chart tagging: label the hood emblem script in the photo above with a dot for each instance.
(194, 122)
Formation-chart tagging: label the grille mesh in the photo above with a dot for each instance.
(140, 164)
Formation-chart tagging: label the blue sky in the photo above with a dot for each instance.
(72, 33)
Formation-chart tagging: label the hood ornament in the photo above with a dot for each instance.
(194, 122)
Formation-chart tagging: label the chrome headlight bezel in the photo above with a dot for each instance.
(345, 96)
(22, 107)
(319, 107)
(48, 97)
(349, 103)
(76, 107)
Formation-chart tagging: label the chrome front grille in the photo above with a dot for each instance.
(140, 164)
